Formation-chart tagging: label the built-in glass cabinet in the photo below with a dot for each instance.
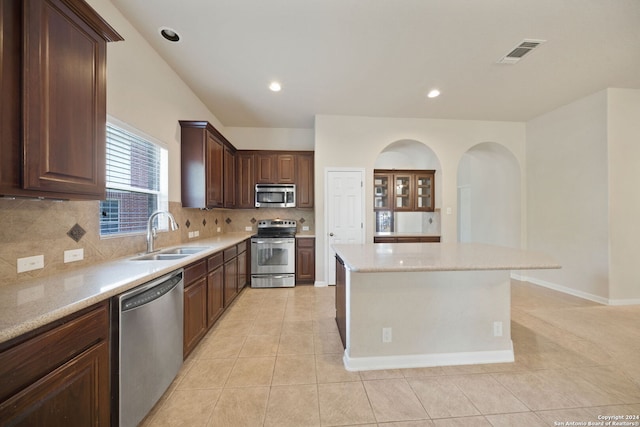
(403, 190)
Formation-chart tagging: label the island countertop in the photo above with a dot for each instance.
(395, 257)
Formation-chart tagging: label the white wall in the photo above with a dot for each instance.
(270, 138)
(345, 141)
(491, 176)
(567, 195)
(143, 91)
(624, 193)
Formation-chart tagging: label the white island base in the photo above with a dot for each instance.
(436, 319)
(430, 305)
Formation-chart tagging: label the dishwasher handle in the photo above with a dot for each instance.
(153, 291)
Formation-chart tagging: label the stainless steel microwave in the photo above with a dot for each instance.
(275, 195)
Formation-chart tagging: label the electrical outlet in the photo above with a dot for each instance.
(30, 263)
(218, 229)
(449, 211)
(191, 234)
(196, 233)
(73, 255)
(248, 229)
(386, 335)
(305, 228)
(497, 329)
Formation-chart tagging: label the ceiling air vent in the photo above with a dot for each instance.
(518, 52)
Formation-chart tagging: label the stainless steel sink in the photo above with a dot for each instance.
(170, 254)
(159, 257)
(188, 250)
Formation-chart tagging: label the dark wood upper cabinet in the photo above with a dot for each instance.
(286, 170)
(304, 180)
(229, 178)
(404, 190)
(245, 183)
(53, 107)
(208, 166)
(266, 168)
(274, 167)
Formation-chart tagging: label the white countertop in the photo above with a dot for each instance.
(406, 257)
(29, 305)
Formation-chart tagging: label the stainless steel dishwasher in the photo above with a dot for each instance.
(149, 344)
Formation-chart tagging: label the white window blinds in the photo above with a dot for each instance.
(134, 182)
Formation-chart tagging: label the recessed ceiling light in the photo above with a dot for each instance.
(275, 86)
(433, 93)
(169, 34)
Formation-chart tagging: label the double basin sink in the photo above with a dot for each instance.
(170, 254)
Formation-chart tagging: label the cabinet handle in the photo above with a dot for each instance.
(331, 234)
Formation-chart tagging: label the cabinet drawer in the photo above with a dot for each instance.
(29, 361)
(214, 261)
(194, 271)
(306, 242)
(230, 253)
(242, 247)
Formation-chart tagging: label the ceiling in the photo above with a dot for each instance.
(379, 58)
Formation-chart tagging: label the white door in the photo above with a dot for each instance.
(344, 212)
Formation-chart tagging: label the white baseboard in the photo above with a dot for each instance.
(427, 360)
(575, 292)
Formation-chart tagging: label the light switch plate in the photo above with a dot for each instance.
(30, 263)
(305, 228)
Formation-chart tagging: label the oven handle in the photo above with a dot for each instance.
(271, 242)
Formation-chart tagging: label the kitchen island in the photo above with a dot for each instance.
(427, 304)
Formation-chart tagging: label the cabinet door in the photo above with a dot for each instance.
(242, 270)
(230, 281)
(195, 314)
(403, 192)
(382, 191)
(304, 180)
(229, 178)
(75, 394)
(266, 169)
(215, 295)
(305, 260)
(286, 169)
(215, 172)
(64, 102)
(424, 191)
(245, 188)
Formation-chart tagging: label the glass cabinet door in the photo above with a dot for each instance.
(382, 192)
(402, 192)
(424, 192)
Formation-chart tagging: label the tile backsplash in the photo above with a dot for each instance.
(44, 227)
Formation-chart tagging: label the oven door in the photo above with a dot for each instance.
(272, 255)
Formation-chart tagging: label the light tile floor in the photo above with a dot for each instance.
(274, 359)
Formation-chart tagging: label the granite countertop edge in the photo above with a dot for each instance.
(29, 305)
(433, 257)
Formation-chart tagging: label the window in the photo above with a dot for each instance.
(137, 181)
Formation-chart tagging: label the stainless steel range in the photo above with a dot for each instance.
(273, 254)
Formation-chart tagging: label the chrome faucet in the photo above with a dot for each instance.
(152, 232)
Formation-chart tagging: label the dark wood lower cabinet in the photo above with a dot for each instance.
(210, 285)
(341, 303)
(59, 377)
(195, 314)
(305, 260)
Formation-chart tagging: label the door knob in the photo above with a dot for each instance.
(331, 234)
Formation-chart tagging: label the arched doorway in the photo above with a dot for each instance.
(411, 155)
(489, 196)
